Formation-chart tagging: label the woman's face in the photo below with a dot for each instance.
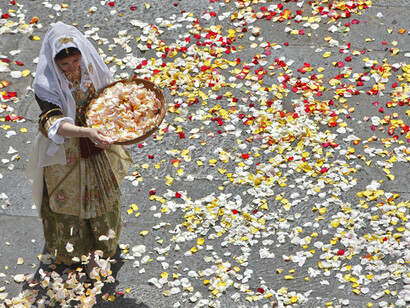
(70, 64)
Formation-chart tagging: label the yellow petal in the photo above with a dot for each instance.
(25, 73)
(327, 54)
(145, 166)
(164, 275)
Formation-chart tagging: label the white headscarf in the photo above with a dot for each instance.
(49, 82)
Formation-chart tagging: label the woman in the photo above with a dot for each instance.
(75, 170)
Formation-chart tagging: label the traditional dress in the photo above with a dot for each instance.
(76, 186)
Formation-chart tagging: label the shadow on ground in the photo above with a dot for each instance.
(36, 287)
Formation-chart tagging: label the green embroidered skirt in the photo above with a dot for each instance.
(81, 208)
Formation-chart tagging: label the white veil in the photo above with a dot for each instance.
(49, 83)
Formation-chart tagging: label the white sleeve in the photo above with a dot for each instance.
(52, 131)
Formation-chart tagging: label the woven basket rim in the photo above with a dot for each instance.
(149, 85)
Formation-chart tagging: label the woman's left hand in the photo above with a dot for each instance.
(98, 138)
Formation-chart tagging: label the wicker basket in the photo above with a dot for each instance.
(159, 94)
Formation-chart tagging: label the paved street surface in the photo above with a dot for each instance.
(279, 177)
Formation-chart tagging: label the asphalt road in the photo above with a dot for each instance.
(278, 178)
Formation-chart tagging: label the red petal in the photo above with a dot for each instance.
(12, 117)
(178, 195)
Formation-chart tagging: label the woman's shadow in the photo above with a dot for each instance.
(35, 285)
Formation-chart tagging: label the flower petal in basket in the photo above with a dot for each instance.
(128, 110)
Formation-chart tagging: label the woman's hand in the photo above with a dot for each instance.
(97, 137)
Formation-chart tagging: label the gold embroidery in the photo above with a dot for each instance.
(50, 121)
(66, 176)
(90, 68)
(80, 95)
(74, 76)
(97, 173)
(51, 110)
(65, 40)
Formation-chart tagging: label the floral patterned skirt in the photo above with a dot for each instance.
(68, 237)
(81, 208)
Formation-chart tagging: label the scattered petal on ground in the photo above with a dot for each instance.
(274, 136)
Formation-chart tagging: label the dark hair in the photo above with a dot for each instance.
(67, 52)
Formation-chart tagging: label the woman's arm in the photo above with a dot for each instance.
(51, 113)
(70, 130)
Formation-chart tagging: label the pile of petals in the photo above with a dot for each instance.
(124, 111)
